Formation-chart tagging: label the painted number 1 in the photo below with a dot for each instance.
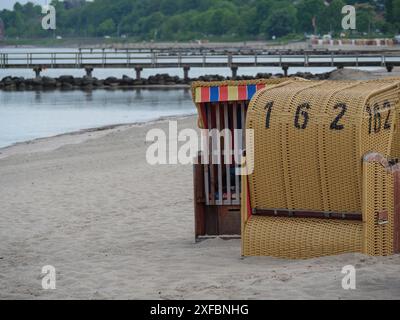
(268, 108)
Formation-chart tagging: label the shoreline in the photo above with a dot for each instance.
(53, 142)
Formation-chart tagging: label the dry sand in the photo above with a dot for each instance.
(116, 228)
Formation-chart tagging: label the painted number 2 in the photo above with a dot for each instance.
(335, 123)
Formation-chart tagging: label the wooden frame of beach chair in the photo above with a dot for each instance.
(221, 105)
(328, 182)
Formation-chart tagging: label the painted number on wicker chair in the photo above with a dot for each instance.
(335, 124)
(268, 108)
(302, 111)
(386, 105)
(375, 118)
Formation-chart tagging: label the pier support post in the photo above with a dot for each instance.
(89, 72)
(138, 72)
(186, 72)
(389, 68)
(234, 71)
(37, 71)
(285, 69)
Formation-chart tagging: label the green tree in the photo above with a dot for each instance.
(332, 17)
(150, 26)
(280, 23)
(195, 19)
(309, 15)
(389, 10)
(220, 21)
(107, 27)
(396, 13)
(366, 19)
(168, 7)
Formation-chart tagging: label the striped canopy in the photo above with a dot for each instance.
(226, 93)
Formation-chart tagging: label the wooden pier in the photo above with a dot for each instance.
(139, 60)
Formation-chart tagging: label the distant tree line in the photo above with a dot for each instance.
(182, 20)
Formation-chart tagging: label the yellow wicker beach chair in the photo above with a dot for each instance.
(222, 105)
(326, 179)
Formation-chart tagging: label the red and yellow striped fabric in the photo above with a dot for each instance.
(216, 92)
(226, 93)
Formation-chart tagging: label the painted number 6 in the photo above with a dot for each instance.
(302, 112)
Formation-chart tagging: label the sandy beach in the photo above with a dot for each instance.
(115, 227)
(301, 96)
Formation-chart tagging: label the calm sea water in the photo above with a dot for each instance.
(30, 115)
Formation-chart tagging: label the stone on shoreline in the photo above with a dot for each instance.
(66, 79)
(68, 82)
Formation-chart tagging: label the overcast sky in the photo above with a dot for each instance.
(8, 4)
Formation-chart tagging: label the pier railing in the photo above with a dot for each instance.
(139, 61)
